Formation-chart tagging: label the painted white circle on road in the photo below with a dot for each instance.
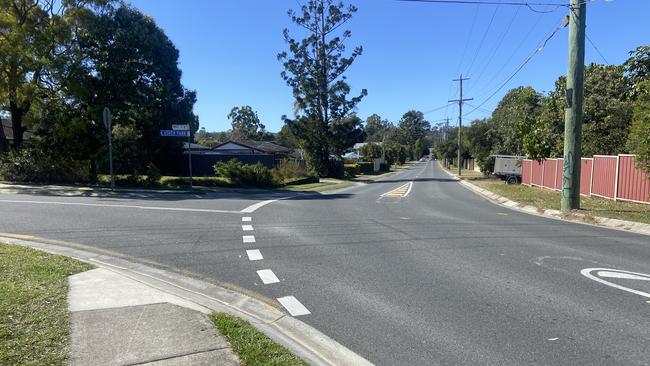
(599, 275)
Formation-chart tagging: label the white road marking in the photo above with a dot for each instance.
(611, 273)
(248, 238)
(246, 219)
(401, 191)
(254, 207)
(254, 255)
(121, 206)
(626, 276)
(267, 276)
(247, 227)
(293, 306)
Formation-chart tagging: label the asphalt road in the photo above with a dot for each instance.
(440, 276)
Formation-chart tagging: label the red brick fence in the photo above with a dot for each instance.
(613, 177)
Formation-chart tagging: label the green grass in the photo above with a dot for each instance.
(34, 325)
(319, 187)
(544, 198)
(253, 347)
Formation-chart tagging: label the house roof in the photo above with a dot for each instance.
(261, 146)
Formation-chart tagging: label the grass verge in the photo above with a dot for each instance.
(544, 198)
(329, 185)
(253, 347)
(34, 325)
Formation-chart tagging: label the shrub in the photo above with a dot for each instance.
(153, 174)
(288, 170)
(246, 174)
(384, 167)
(35, 165)
(366, 167)
(351, 170)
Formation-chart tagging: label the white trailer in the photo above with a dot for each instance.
(508, 168)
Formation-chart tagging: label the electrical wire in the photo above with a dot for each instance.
(487, 30)
(512, 3)
(437, 109)
(521, 66)
(596, 48)
(495, 49)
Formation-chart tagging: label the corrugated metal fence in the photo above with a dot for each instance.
(613, 177)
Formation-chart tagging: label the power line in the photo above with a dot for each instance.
(487, 30)
(437, 109)
(495, 49)
(528, 5)
(504, 64)
(596, 48)
(524, 63)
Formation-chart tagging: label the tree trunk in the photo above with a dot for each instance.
(93, 171)
(4, 144)
(17, 114)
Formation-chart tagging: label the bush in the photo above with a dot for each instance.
(351, 170)
(246, 174)
(384, 167)
(153, 175)
(289, 170)
(366, 167)
(32, 164)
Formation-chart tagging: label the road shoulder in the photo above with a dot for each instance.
(616, 224)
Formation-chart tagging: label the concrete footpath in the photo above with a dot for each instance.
(119, 321)
(127, 313)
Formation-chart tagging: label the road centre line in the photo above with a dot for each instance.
(246, 219)
(248, 238)
(254, 255)
(121, 206)
(401, 191)
(293, 306)
(267, 276)
(247, 227)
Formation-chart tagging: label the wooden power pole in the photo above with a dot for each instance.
(573, 111)
(460, 119)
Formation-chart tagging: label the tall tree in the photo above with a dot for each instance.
(246, 123)
(376, 128)
(125, 47)
(412, 127)
(514, 109)
(345, 133)
(314, 68)
(36, 51)
(637, 68)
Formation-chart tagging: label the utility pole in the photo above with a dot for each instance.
(107, 123)
(573, 109)
(460, 117)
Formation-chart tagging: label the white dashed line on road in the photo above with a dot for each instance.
(293, 306)
(267, 276)
(246, 219)
(248, 238)
(254, 255)
(247, 227)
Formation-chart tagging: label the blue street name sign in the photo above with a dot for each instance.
(174, 133)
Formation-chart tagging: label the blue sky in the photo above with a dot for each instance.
(411, 52)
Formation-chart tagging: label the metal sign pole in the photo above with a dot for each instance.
(107, 123)
(189, 148)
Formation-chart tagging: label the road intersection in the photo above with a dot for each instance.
(411, 269)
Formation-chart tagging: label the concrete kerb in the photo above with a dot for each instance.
(298, 337)
(622, 225)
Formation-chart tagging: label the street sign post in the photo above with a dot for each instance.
(182, 131)
(107, 124)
